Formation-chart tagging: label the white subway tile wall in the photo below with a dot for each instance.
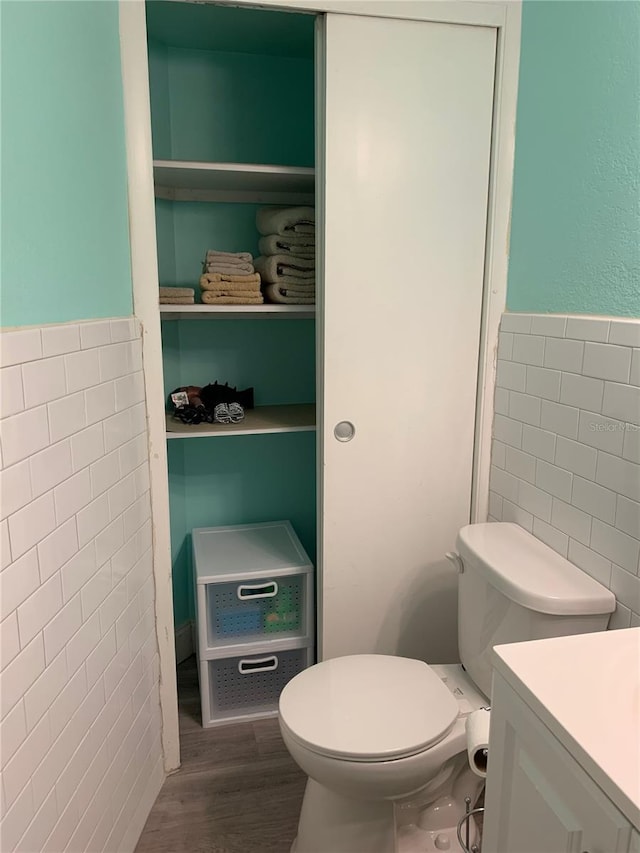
(566, 448)
(80, 731)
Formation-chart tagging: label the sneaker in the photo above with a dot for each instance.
(221, 414)
(236, 413)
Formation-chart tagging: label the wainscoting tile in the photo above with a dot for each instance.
(572, 476)
(63, 685)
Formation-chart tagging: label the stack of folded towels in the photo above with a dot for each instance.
(177, 296)
(229, 278)
(287, 263)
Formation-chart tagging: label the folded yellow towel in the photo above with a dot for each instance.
(225, 286)
(210, 298)
(177, 291)
(231, 290)
(177, 300)
(245, 282)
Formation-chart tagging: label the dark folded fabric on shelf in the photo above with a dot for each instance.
(213, 394)
(214, 403)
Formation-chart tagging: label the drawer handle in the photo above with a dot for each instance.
(246, 666)
(257, 590)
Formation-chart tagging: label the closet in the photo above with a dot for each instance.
(232, 111)
(390, 122)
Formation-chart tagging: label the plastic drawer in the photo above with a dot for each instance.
(252, 611)
(237, 551)
(247, 686)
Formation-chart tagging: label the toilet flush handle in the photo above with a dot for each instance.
(456, 560)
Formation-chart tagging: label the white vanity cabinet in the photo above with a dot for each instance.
(539, 799)
(547, 790)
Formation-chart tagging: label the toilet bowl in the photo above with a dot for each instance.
(371, 731)
(374, 732)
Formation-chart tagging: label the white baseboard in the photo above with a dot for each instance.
(185, 644)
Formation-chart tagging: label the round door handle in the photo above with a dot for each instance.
(344, 431)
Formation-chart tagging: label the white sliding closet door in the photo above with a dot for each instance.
(407, 137)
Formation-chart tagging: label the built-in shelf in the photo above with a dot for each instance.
(182, 180)
(236, 312)
(262, 419)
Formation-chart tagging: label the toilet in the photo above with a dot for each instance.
(381, 736)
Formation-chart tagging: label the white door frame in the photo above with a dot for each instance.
(505, 17)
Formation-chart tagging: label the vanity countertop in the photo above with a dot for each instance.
(586, 690)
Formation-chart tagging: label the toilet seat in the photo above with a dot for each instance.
(368, 708)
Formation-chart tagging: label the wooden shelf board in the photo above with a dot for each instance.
(263, 419)
(183, 180)
(233, 312)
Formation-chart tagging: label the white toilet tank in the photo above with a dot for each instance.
(513, 588)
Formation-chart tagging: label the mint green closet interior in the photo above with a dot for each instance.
(231, 85)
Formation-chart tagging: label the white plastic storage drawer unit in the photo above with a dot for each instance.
(247, 687)
(255, 616)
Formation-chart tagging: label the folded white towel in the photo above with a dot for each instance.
(275, 244)
(229, 257)
(229, 269)
(283, 294)
(210, 281)
(286, 220)
(285, 269)
(305, 290)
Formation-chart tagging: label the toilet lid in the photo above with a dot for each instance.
(368, 707)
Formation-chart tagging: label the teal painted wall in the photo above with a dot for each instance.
(575, 234)
(65, 237)
(276, 357)
(185, 231)
(223, 105)
(232, 480)
(216, 105)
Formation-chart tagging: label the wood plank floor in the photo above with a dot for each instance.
(237, 791)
